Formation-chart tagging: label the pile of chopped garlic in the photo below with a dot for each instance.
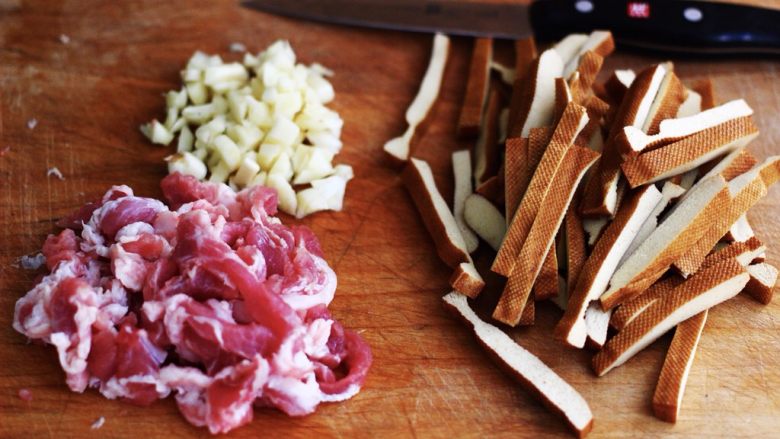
(260, 121)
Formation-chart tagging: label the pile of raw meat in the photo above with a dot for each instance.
(209, 297)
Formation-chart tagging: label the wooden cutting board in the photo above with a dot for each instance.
(429, 377)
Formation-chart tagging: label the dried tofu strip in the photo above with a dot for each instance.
(669, 192)
(461, 168)
(516, 174)
(562, 98)
(594, 227)
(466, 280)
(436, 215)
(485, 219)
(399, 147)
(601, 192)
(704, 88)
(634, 140)
(690, 152)
(702, 291)
(572, 121)
(493, 189)
(591, 134)
(528, 317)
(487, 156)
(677, 365)
(576, 251)
(763, 278)
(546, 284)
(525, 54)
(599, 43)
(684, 226)
(740, 231)
(476, 88)
(671, 94)
(618, 84)
(602, 262)
(597, 325)
(563, 294)
(569, 47)
(581, 81)
(745, 253)
(732, 165)
(536, 101)
(528, 261)
(746, 190)
(626, 312)
(541, 381)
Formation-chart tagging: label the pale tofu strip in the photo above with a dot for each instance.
(541, 236)
(602, 262)
(668, 242)
(597, 324)
(669, 391)
(740, 231)
(399, 147)
(699, 293)
(477, 86)
(461, 168)
(572, 122)
(535, 376)
(629, 310)
(485, 219)
(763, 278)
(670, 130)
(690, 152)
(593, 228)
(535, 107)
(669, 192)
(745, 190)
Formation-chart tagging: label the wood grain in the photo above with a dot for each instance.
(429, 378)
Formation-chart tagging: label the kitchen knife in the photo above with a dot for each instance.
(682, 25)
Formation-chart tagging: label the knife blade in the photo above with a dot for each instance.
(689, 26)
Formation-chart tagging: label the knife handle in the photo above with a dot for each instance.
(683, 25)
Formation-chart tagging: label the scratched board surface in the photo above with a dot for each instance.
(429, 377)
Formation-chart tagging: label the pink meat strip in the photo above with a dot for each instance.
(209, 297)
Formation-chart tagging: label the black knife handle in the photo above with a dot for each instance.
(687, 26)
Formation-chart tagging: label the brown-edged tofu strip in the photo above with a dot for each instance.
(525, 54)
(466, 280)
(591, 134)
(702, 291)
(763, 278)
(669, 192)
(594, 227)
(398, 149)
(597, 324)
(535, 376)
(746, 190)
(576, 251)
(572, 121)
(546, 285)
(515, 174)
(745, 253)
(528, 261)
(674, 373)
(633, 140)
(528, 317)
(629, 310)
(602, 262)
(487, 157)
(705, 89)
(493, 189)
(523, 156)
(732, 165)
(740, 231)
(671, 94)
(691, 218)
(562, 98)
(484, 218)
(461, 168)
(435, 213)
(581, 80)
(690, 152)
(617, 85)
(598, 42)
(477, 85)
(602, 189)
(536, 101)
